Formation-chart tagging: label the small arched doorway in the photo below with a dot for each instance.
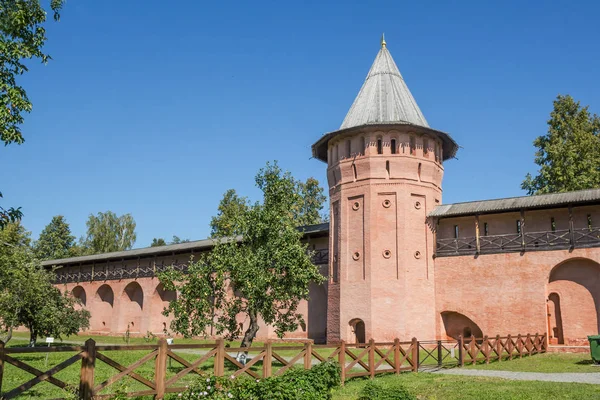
(358, 330)
(555, 326)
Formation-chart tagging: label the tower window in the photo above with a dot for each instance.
(589, 221)
(552, 224)
(456, 231)
(348, 148)
(379, 146)
(425, 147)
(387, 168)
(485, 229)
(413, 146)
(393, 146)
(518, 226)
(362, 145)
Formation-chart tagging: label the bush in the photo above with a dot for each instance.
(376, 391)
(299, 384)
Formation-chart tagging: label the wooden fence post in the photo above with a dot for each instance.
(160, 369)
(486, 349)
(219, 363)
(397, 355)
(499, 348)
(545, 344)
(528, 344)
(307, 355)
(461, 349)
(509, 345)
(1, 364)
(520, 345)
(342, 361)
(415, 354)
(86, 377)
(439, 353)
(472, 350)
(536, 340)
(267, 359)
(372, 358)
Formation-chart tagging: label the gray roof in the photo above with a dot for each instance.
(384, 97)
(197, 245)
(553, 200)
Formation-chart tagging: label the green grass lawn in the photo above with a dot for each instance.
(547, 362)
(443, 387)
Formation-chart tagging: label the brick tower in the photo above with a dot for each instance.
(384, 170)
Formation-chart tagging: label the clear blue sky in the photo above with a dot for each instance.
(155, 108)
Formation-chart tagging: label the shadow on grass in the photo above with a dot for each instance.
(586, 362)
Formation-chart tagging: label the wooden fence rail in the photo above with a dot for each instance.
(362, 359)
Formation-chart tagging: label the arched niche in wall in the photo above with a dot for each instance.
(159, 301)
(78, 292)
(358, 330)
(131, 307)
(101, 309)
(457, 324)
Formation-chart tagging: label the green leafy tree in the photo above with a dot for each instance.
(158, 242)
(108, 232)
(309, 210)
(22, 38)
(55, 241)
(230, 208)
(568, 156)
(263, 276)
(177, 240)
(27, 296)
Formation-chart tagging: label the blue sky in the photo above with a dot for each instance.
(156, 108)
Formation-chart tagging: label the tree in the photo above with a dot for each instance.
(569, 154)
(108, 232)
(265, 275)
(177, 240)
(309, 212)
(27, 296)
(55, 241)
(22, 37)
(158, 242)
(230, 208)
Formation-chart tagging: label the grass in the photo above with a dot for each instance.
(547, 362)
(437, 387)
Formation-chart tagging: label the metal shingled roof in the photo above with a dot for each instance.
(516, 203)
(200, 245)
(384, 97)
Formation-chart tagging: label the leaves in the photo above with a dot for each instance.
(55, 240)
(569, 154)
(263, 275)
(107, 232)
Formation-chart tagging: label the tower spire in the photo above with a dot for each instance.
(383, 43)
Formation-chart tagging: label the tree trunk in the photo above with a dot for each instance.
(8, 336)
(32, 337)
(250, 333)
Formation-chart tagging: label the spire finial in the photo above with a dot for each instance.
(383, 43)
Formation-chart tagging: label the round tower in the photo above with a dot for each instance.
(385, 175)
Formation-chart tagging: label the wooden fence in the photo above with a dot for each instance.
(271, 359)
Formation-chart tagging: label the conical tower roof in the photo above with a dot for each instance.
(384, 97)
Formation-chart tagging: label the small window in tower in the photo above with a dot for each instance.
(441, 151)
(435, 151)
(519, 226)
(348, 148)
(589, 221)
(362, 145)
(456, 231)
(485, 229)
(387, 168)
(393, 146)
(379, 146)
(425, 147)
(413, 146)
(552, 224)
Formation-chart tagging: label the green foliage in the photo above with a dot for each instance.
(177, 240)
(55, 241)
(316, 383)
(9, 215)
(107, 232)
(569, 154)
(265, 275)
(27, 296)
(376, 391)
(311, 204)
(158, 242)
(230, 209)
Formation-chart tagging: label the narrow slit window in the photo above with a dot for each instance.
(393, 146)
(362, 145)
(435, 151)
(589, 221)
(425, 147)
(455, 231)
(518, 226)
(419, 171)
(413, 146)
(387, 168)
(348, 148)
(552, 224)
(354, 171)
(379, 146)
(485, 229)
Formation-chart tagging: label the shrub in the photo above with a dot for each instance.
(299, 384)
(376, 391)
